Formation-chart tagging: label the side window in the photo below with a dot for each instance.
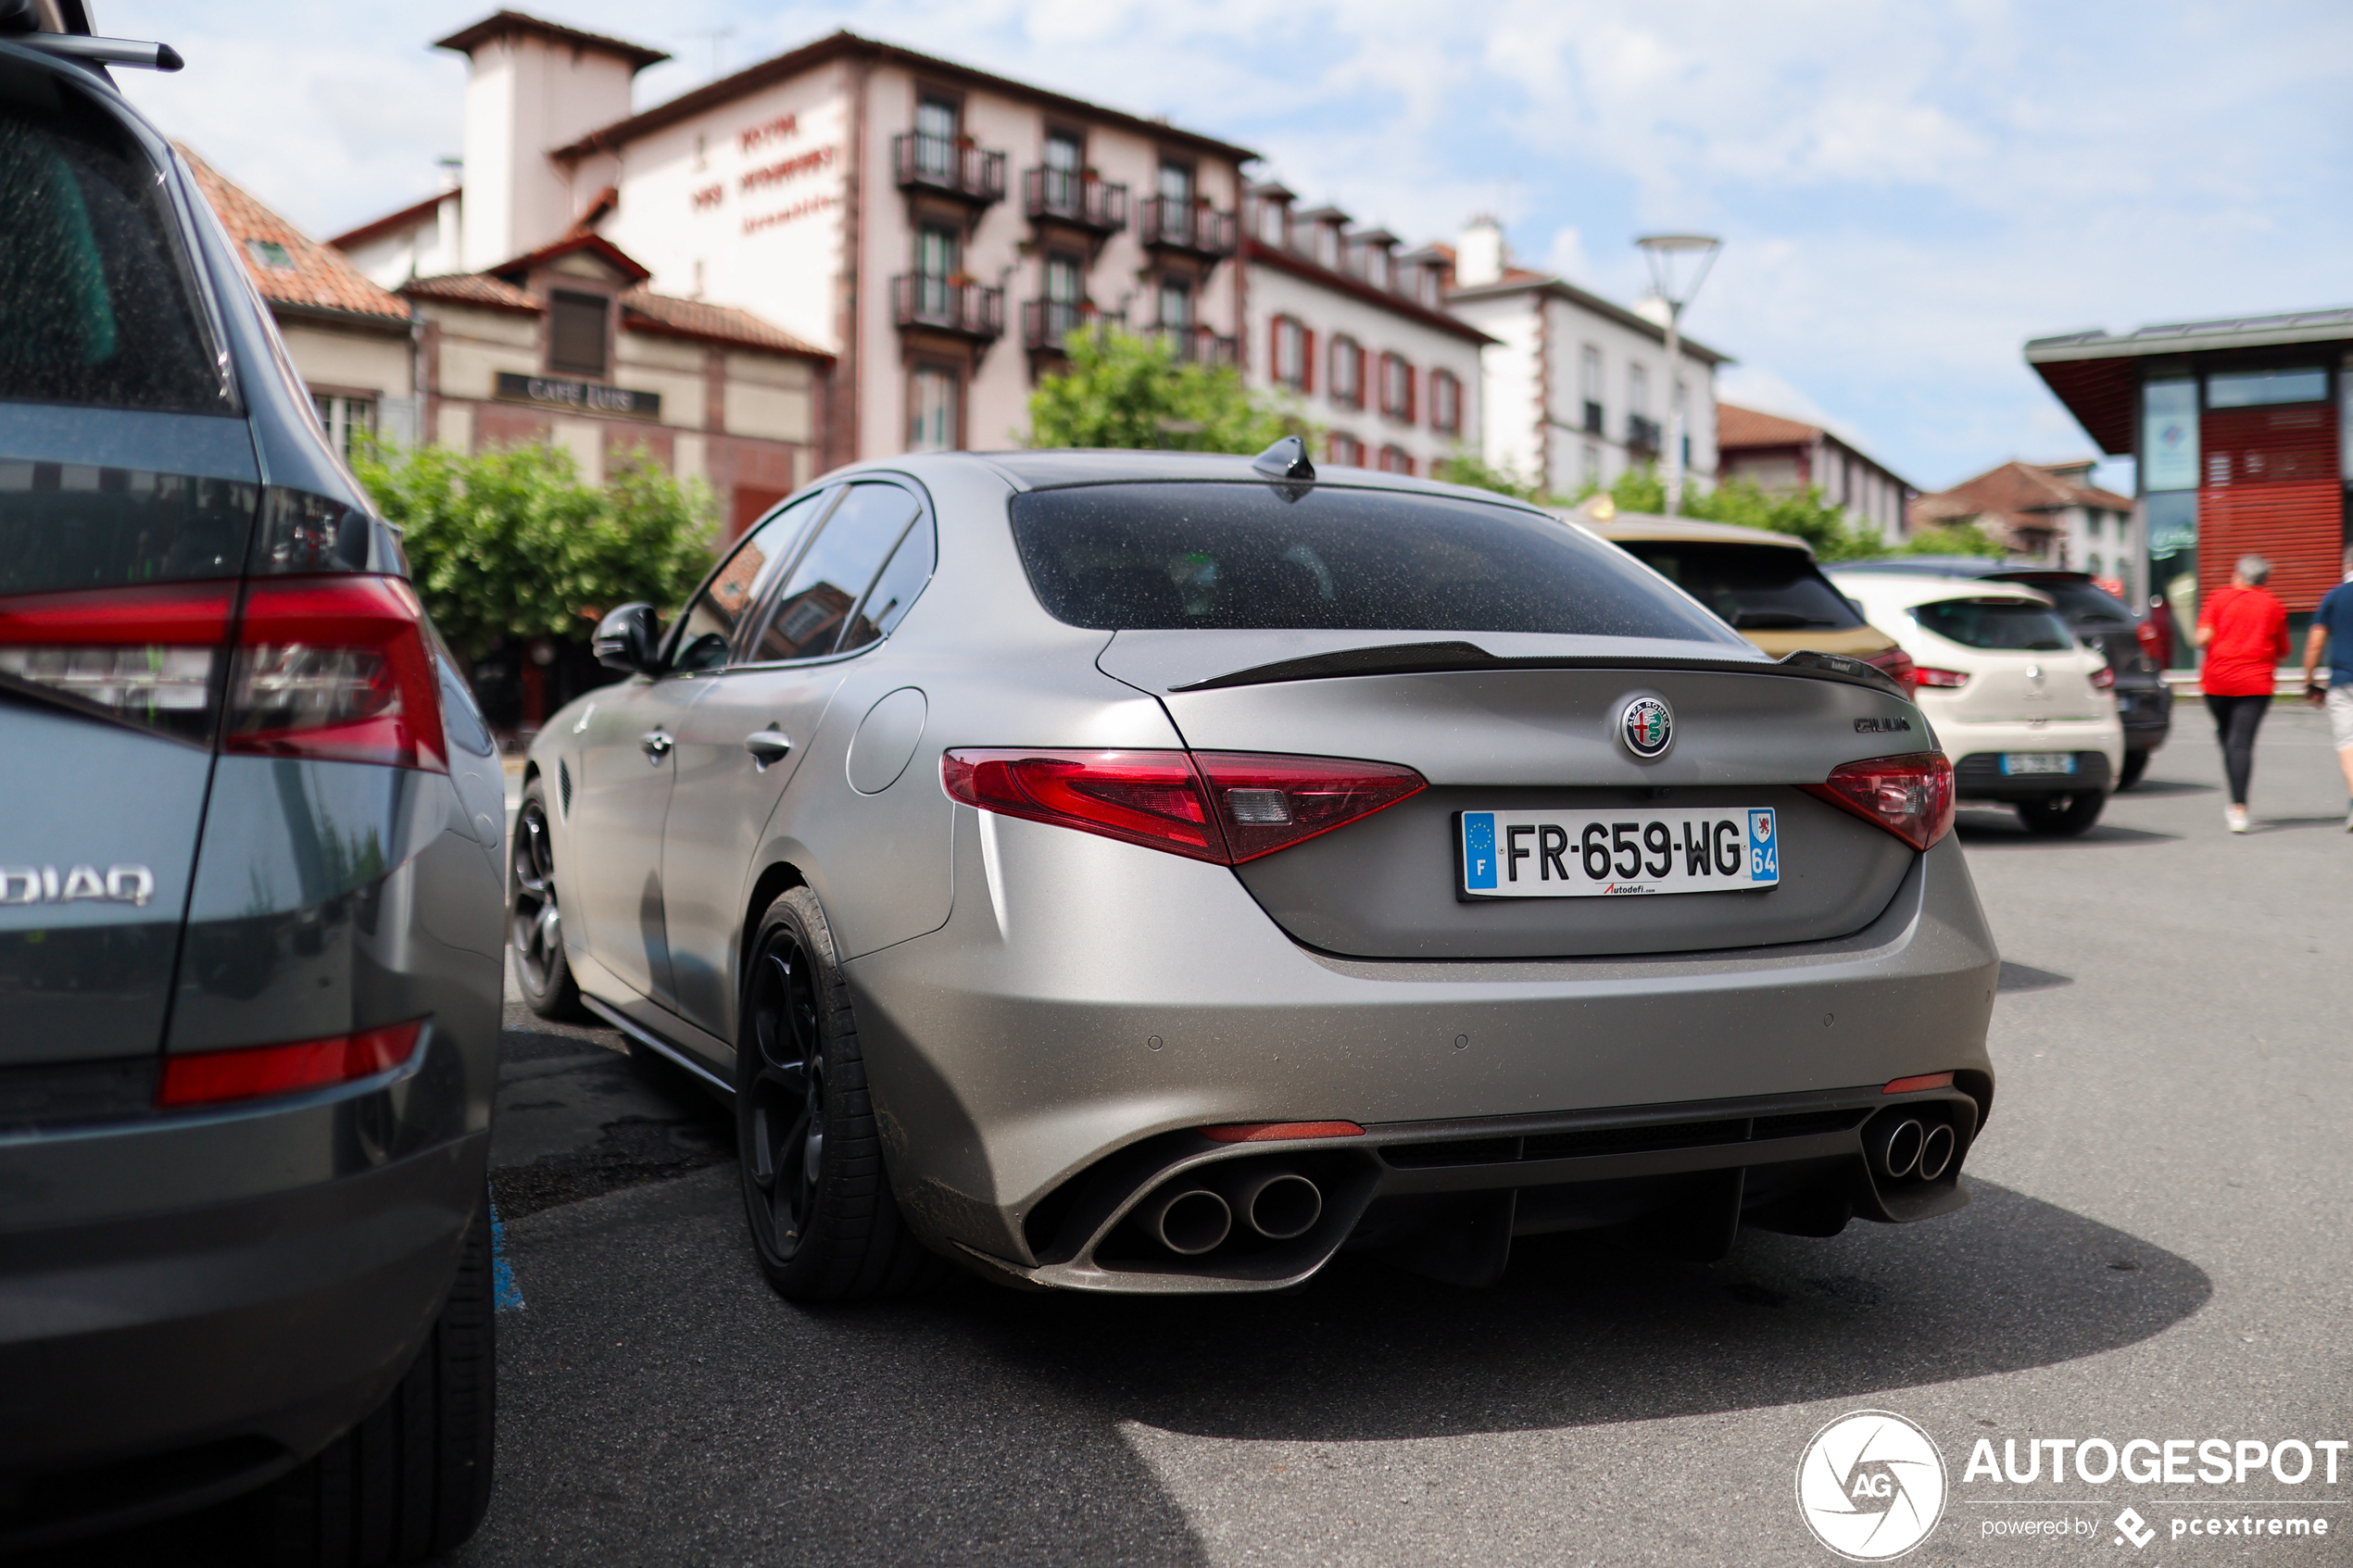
(833, 576)
(901, 580)
(711, 620)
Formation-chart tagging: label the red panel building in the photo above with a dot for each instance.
(2239, 432)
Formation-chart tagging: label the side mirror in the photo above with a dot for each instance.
(628, 638)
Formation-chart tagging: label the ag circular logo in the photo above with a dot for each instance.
(1646, 725)
(1871, 1486)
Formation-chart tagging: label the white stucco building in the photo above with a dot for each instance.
(1577, 387)
(1357, 334)
(936, 230)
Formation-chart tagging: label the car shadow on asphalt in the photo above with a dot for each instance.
(2170, 786)
(1579, 1332)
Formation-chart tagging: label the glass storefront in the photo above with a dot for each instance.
(2168, 475)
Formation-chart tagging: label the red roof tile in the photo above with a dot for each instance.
(645, 312)
(474, 288)
(315, 277)
(1737, 427)
(2016, 492)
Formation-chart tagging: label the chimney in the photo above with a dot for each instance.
(1480, 255)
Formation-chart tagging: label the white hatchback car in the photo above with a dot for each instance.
(2026, 712)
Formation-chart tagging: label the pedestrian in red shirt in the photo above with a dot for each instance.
(2244, 632)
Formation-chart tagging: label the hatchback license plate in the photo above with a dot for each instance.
(1613, 854)
(2017, 763)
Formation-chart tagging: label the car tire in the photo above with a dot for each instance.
(535, 920)
(2136, 763)
(412, 1480)
(2061, 816)
(824, 1221)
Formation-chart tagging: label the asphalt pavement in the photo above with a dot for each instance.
(2156, 1248)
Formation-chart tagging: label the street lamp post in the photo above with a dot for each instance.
(1667, 254)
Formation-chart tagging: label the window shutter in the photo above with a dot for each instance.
(1306, 360)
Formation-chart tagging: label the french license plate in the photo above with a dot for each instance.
(2017, 763)
(1614, 854)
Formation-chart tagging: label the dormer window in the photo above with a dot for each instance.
(579, 332)
(1376, 267)
(269, 253)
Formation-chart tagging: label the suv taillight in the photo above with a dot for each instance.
(334, 667)
(1896, 663)
(1225, 807)
(329, 667)
(1911, 796)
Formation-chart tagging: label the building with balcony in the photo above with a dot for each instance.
(937, 231)
(1782, 456)
(1357, 331)
(1577, 388)
(2242, 432)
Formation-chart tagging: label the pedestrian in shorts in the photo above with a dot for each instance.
(2244, 632)
(2333, 632)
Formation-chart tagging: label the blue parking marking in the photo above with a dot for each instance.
(506, 1295)
(1478, 849)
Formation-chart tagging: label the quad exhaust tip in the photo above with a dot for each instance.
(1936, 1151)
(1189, 1221)
(1898, 1154)
(1278, 1205)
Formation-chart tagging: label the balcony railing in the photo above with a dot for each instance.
(1196, 346)
(1045, 324)
(944, 306)
(1641, 435)
(1066, 196)
(948, 167)
(1197, 231)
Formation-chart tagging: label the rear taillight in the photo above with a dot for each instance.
(1163, 799)
(250, 1072)
(2104, 679)
(334, 667)
(148, 655)
(1911, 796)
(1896, 663)
(1947, 680)
(2154, 642)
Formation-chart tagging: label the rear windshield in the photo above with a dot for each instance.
(96, 302)
(2018, 626)
(1253, 557)
(1753, 588)
(2082, 601)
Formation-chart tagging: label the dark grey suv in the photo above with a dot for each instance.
(250, 895)
(2100, 619)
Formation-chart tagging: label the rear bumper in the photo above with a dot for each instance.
(2147, 713)
(1087, 997)
(1964, 743)
(189, 1305)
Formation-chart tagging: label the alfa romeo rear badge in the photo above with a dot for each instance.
(1646, 724)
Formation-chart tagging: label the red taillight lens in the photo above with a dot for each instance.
(2155, 642)
(1270, 803)
(1148, 797)
(1948, 679)
(1160, 800)
(145, 654)
(1896, 663)
(1911, 796)
(335, 666)
(2104, 679)
(250, 1072)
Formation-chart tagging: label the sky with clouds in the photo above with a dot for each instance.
(1906, 191)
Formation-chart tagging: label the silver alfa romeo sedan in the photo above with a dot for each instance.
(1155, 871)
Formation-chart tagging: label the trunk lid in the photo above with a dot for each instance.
(1500, 722)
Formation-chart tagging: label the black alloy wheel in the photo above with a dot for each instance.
(2061, 816)
(534, 922)
(816, 1193)
(785, 1103)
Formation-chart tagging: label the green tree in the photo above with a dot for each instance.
(1953, 539)
(510, 543)
(1468, 468)
(1802, 513)
(1123, 389)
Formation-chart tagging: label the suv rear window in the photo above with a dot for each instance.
(1753, 588)
(1152, 556)
(97, 303)
(2015, 625)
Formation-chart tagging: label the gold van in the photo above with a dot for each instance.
(1765, 586)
